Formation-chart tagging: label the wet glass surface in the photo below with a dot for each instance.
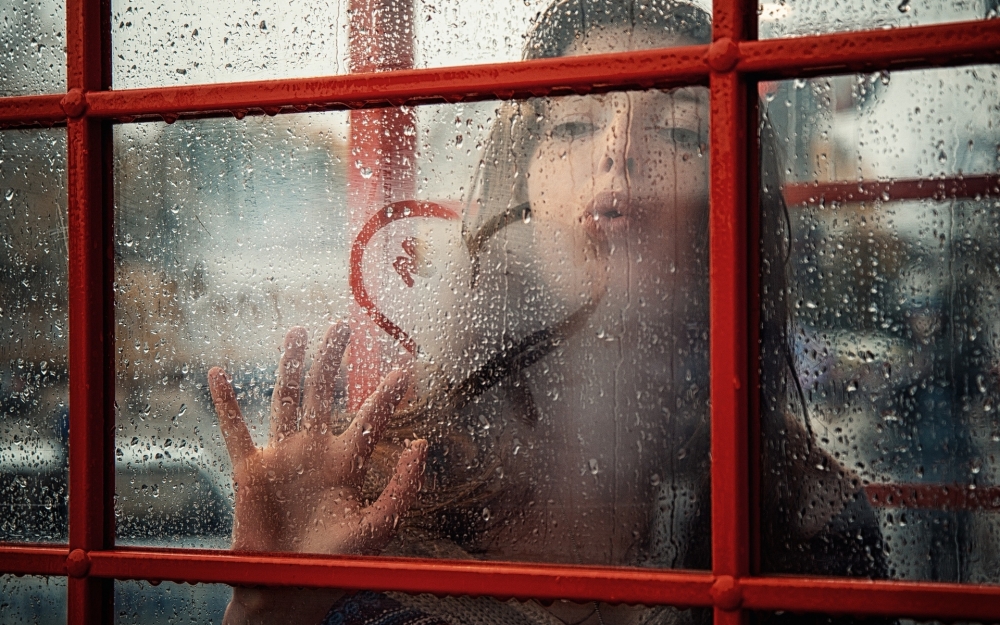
(34, 387)
(559, 365)
(32, 600)
(881, 423)
(791, 18)
(190, 42)
(166, 603)
(32, 47)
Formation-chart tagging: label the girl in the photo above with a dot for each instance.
(577, 429)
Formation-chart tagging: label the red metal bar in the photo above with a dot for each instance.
(919, 600)
(442, 577)
(958, 43)
(31, 110)
(938, 189)
(728, 334)
(730, 148)
(91, 474)
(934, 496)
(24, 560)
(476, 82)
(952, 44)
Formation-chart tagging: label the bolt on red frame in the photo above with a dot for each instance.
(731, 67)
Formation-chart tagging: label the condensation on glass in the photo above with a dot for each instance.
(166, 603)
(32, 600)
(881, 341)
(792, 18)
(544, 261)
(32, 47)
(190, 42)
(34, 389)
(798, 618)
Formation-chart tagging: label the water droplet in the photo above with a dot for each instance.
(366, 172)
(458, 141)
(904, 6)
(9, 195)
(594, 469)
(486, 514)
(359, 462)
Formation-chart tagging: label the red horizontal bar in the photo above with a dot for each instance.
(957, 43)
(31, 110)
(939, 189)
(933, 497)
(451, 577)
(643, 69)
(25, 560)
(942, 44)
(920, 600)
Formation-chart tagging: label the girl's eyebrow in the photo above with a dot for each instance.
(685, 94)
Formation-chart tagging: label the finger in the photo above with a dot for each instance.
(287, 386)
(379, 520)
(234, 430)
(321, 378)
(367, 427)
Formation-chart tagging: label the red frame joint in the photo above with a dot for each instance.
(723, 55)
(726, 593)
(77, 563)
(74, 103)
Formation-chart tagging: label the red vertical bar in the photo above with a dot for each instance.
(728, 250)
(90, 308)
(381, 166)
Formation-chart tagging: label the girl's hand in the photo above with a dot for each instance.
(302, 491)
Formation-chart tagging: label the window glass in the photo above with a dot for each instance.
(34, 424)
(166, 603)
(880, 324)
(783, 618)
(33, 42)
(542, 266)
(790, 18)
(31, 599)
(143, 602)
(193, 42)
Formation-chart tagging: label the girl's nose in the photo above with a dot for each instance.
(610, 161)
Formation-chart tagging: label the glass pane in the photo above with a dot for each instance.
(552, 285)
(32, 600)
(142, 602)
(790, 18)
(158, 44)
(881, 422)
(33, 40)
(790, 618)
(168, 603)
(34, 389)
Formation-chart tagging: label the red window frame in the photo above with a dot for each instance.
(731, 66)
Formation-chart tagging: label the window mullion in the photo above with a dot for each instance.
(91, 470)
(729, 331)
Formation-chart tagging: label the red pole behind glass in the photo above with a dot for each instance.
(380, 168)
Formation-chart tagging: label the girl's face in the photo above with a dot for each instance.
(623, 172)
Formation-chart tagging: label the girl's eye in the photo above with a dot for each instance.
(573, 129)
(684, 138)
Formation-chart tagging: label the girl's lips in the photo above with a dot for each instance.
(607, 214)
